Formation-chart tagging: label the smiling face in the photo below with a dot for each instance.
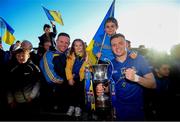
(110, 28)
(78, 47)
(119, 46)
(22, 57)
(62, 43)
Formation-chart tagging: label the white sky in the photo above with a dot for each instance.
(155, 24)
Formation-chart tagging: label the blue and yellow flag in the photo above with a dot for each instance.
(8, 37)
(53, 15)
(99, 32)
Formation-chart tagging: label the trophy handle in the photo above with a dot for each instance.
(109, 61)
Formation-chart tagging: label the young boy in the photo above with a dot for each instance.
(23, 84)
(111, 25)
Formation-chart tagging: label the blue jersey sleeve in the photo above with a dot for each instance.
(47, 67)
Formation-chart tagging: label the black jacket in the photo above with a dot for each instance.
(43, 38)
(23, 76)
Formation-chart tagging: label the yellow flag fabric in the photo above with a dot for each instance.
(53, 15)
(57, 17)
(8, 36)
(91, 55)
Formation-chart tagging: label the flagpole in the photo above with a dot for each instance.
(105, 33)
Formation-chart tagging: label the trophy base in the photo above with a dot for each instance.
(104, 113)
(102, 106)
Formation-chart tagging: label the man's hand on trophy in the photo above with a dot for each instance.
(99, 89)
(131, 75)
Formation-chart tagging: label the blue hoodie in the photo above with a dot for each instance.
(106, 49)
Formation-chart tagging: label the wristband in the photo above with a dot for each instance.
(136, 78)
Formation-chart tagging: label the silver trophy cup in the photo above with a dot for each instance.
(100, 73)
(100, 76)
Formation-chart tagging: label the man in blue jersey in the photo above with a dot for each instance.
(53, 66)
(130, 76)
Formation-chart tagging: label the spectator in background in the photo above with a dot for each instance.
(15, 46)
(156, 100)
(128, 44)
(2, 77)
(48, 36)
(175, 81)
(161, 99)
(46, 46)
(162, 71)
(27, 45)
(23, 85)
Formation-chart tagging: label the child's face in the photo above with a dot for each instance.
(78, 47)
(47, 30)
(110, 28)
(47, 45)
(22, 57)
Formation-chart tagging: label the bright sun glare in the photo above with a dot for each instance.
(155, 26)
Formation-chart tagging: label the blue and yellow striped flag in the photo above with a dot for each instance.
(99, 32)
(53, 15)
(8, 36)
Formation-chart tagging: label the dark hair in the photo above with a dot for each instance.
(128, 41)
(117, 35)
(84, 47)
(46, 26)
(17, 41)
(113, 20)
(64, 34)
(20, 50)
(28, 42)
